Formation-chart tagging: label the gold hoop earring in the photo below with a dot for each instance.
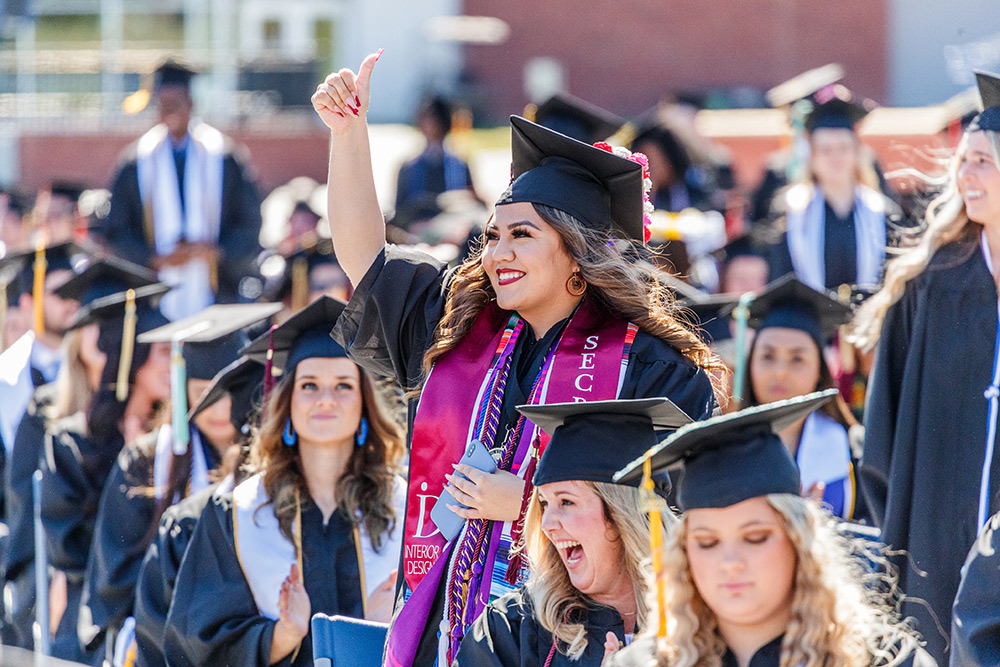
(576, 285)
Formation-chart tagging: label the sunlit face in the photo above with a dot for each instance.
(213, 422)
(590, 547)
(742, 563)
(979, 180)
(326, 401)
(526, 262)
(833, 154)
(91, 356)
(785, 363)
(153, 377)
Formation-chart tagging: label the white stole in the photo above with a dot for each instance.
(164, 456)
(824, 453)
(806, 220)
(16, 387)
(266, 556)
(200, 217)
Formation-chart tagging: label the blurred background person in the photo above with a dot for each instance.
(183, 203)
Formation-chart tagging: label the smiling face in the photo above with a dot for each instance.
(573, 519)
(326, 401)
(785, 363)
(979, 180)
(527, 265)
(743, 565)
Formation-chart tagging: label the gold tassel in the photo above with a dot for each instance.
(38, 289)
(300, 284)
(655, 545)
(128, 347)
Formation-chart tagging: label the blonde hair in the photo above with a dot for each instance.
(842, 614)
(558, 606)
(73, 390)
(368, 480)
(945, 220)
(621, 279)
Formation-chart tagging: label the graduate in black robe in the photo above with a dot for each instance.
(151, 474)
(154, 589)
(224, 610)
(130, 226)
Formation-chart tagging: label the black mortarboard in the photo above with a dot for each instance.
(712, 324)
(805, 85)
(64, 256)
(836, 114)
(293, 278)
(71, 191)
(733, 457)
(103, 276)
(591, 441)
(789, 303)
(304, 335)
(750, 244)
(242, 380)
(212, 338)
(109, 307)
(989, 93)
(600, 189)
(173, 73)
(577, 118)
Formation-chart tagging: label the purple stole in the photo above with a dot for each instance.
(461, 401)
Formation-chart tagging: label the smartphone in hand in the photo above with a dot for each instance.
(449, 523)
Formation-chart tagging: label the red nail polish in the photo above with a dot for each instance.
(378, 54)
(356, 113)
(357, 101)
(353, 110)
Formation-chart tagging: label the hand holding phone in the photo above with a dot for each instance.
(449, 523)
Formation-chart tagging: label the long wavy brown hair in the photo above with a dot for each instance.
(621, 279)
(842, 614)
(365, 488)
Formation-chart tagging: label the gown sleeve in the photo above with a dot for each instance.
(882, 403)
(975, 628)
(656, 369)
(120, 538)
(158, 574)
(213, 619)
(503, 636)
(391, 318)
(29, 444)
(123, 228)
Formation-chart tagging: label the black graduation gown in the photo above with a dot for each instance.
(158, 574)
(390, 322)
(214, 620)
(124, 228)
(642, 654)
(123, 530)
(19, 556)
(73, 475)
(975, 628)
(507, 634)
(926, 428)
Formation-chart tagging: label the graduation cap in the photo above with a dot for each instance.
(791, 304)
(711, 316)
(591, 441)
(599, 188)
(292, 275)
(731, 458)
(304, 335)
(837, 113)
(989, 93)
(67, 189)
(172, 73)
(103, 276)
(750, 244)
(33, 264)
(146, 299)
(242, 380)
(805, 85)
(575, 118)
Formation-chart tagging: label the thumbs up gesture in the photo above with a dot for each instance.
(342, 99)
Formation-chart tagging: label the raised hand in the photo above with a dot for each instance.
(342, 99)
